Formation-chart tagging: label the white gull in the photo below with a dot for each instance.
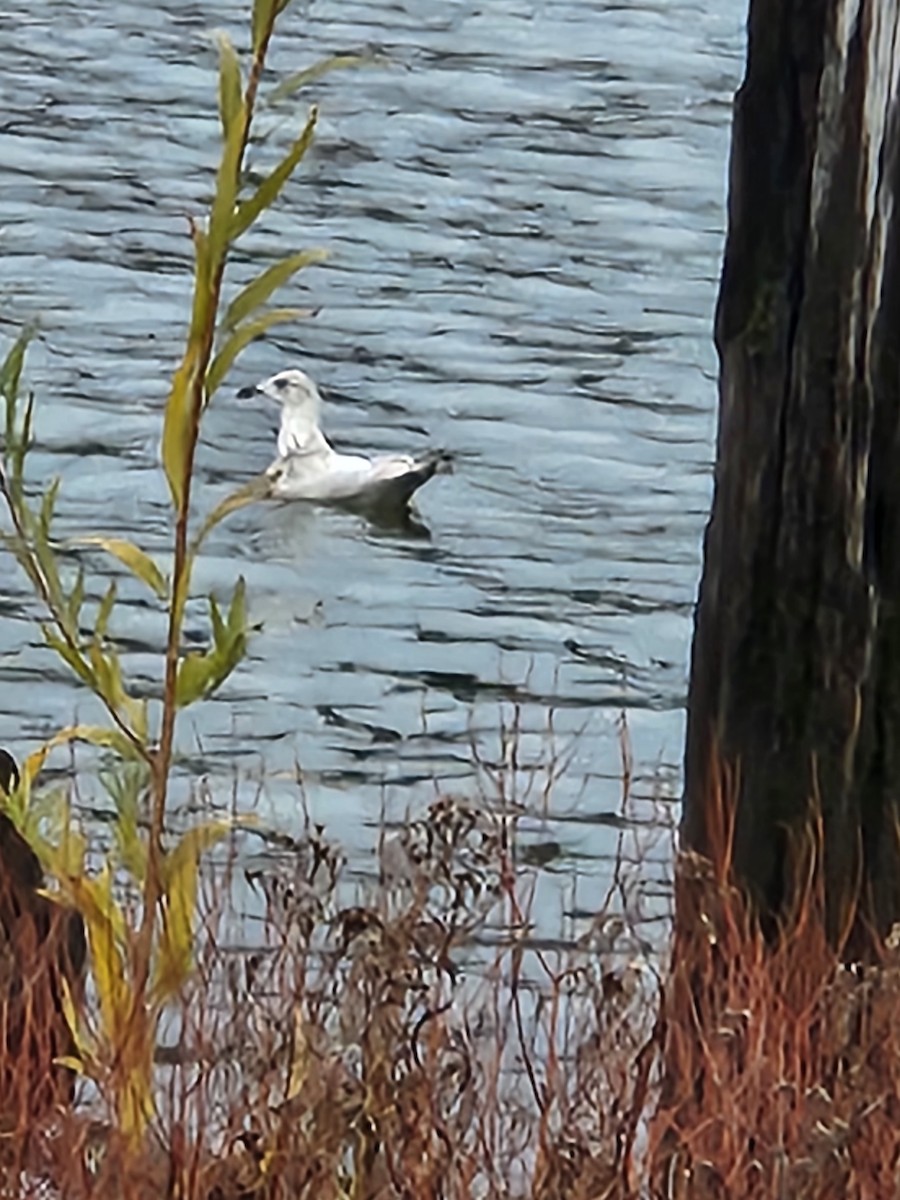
(309, 468)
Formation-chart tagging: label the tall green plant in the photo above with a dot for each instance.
(139, 966)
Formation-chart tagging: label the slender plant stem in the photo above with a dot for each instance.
(161, 760)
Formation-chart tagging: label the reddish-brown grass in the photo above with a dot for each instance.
(415, 1041)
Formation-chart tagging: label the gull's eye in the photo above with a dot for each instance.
(281, 384)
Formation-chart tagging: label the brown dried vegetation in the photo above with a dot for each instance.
(780, 1061)
(411, 1038)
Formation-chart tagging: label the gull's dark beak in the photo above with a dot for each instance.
(248, 393)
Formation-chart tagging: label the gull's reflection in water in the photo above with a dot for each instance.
(392, 520)
(299, 532)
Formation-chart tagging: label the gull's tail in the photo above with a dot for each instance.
(435, 462)
(396, 479)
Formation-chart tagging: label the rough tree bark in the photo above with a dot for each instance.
(795, 676)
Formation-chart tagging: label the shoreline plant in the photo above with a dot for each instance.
(141, 957)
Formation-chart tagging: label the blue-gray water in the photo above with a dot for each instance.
(524, 205)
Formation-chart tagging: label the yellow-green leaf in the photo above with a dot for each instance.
(48, 506)
(175, 955)
(11, 370)
(139, 563)
(96, 735)
(231, 102)
(223, 207)
(258, 291)
(263, 21)
(136, 1108)
(202, 282)
(106, 925)
(69, 655)
(132, 849)
(25, 437)
(75, 602)
(257, 489)
(134, 710)
(66, 859)
(268, 190)
(201, 674)
(100, 668)
(219, 631)
(334, 62)
(10, 375)
(104, 611)
(32, 765)
(243, 336)
(126, 784)
(177, 425)
(46, 557)
(198, 675)
(82, 1043)
(180, 868)
(237, 613)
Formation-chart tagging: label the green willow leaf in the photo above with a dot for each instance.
(96, 735)
(234, 129)
(10, 377)
(18, 447)
(257, 489)
(104, 674)
(243, 336)
(268, 190)
(202, 282)
(258, 291)
(265, 13)
(134, 710)
(219, 630)
(237, 613)
(223, 213)
(48, 564)
(261, 22)
(139, 563)
(70, 656)
(104, 612)
(175, 954)
(200, 673)
(131, 848)
(106, 925)
(11, 370)
(76, 600)
(231, 102)
(177, 426)
(48, 506)
(126, 784)
(334, 62)
(197, 674)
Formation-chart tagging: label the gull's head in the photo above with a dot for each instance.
(292, 388)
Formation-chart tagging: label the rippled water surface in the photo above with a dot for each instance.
(523, 201)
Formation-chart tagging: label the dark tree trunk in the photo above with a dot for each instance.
(795, 676)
